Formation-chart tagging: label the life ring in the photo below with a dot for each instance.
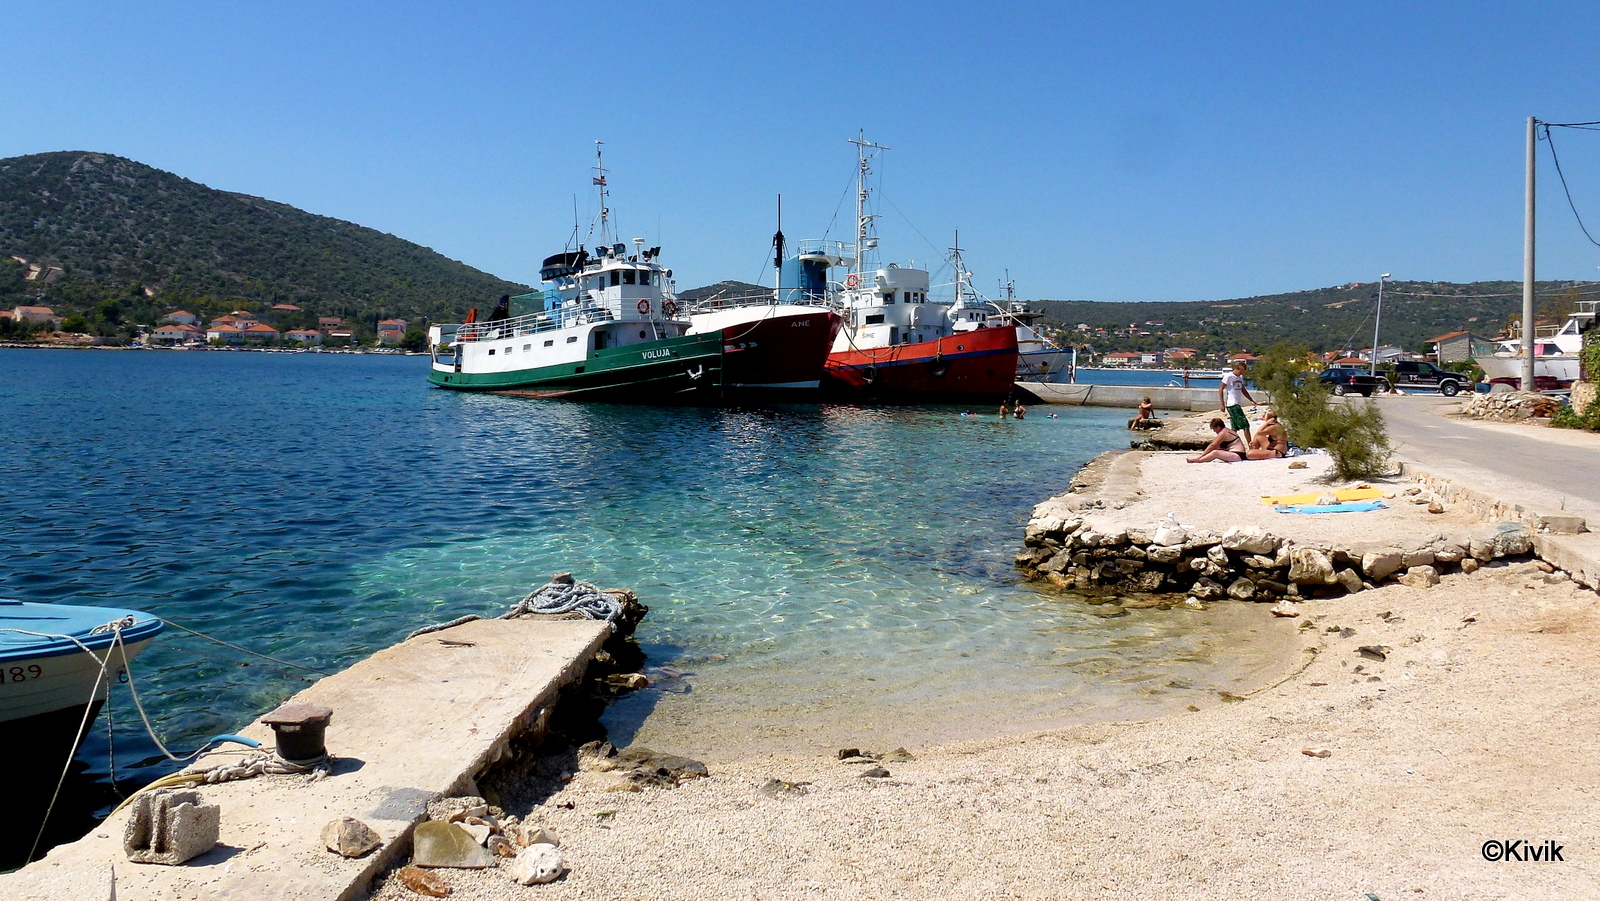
(869, 374)
(644, 307)
(939, 367)
(669, 309)
(852, 280)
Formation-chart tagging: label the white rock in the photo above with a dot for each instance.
(1420, 577)
(535, 864)
(1381, 563)
(480, 832)
(1250, 540)
(1169, 536)
(1310, 566)
(1285, 608)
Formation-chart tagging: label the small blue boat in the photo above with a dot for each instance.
(57, 663)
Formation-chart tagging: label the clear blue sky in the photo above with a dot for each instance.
(1110, 151)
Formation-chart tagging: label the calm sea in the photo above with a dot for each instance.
(820, 575)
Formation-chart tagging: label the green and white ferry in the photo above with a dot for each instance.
(606, 327)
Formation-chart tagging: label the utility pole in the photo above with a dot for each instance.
(1527, 265)
(1376, 319)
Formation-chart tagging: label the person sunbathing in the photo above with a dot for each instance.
(1227, 446)
(1270, 441)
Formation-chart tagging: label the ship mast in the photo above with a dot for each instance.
(600, 182)
(777, 256)
(961, 268)
(863, 218)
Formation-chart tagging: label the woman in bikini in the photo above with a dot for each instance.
(1270, 441)
(1227, 447)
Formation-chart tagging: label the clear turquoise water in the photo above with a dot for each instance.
(818, 572)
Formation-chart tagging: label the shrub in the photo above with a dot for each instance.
(1353, 433)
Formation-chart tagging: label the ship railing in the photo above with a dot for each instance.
(534, 323)
(712, 304)
(837, 253)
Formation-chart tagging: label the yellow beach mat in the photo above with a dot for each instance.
(1343, 494)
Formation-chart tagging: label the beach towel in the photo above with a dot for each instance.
(1350, 507)
(1343, 494)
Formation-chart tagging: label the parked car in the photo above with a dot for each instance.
(1422, 374)
(1346, 380)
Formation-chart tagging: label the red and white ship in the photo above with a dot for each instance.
(773, 345)
(896, 345)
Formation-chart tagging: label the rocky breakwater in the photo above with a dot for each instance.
(1510, 406)
(1085, 543)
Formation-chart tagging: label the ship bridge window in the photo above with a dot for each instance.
(616, 277)
(572, 339)
(550, 342)
(646, 278)
(491, 351)
(627, 277)
(888, 298)
(875, 319)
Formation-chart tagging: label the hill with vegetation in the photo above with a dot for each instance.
(122, 243)
(1324, 319)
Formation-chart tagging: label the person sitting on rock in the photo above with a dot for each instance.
(1146, 418)
(1270, 441)
(1227, 446)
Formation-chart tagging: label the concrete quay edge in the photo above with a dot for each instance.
(416, 721)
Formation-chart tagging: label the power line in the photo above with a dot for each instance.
(1550, 139)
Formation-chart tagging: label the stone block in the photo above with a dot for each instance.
(1420, 577)
(1381, 563)
(1310, 566)
(439, 844)
(1206, 590)
(1169, 536)
(1563, 524)
(1163, 553)
(169, 827)
(1242, 589)
(1250, 540)
(1350, 581)
(1421, 557)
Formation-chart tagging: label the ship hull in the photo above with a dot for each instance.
(775, 353)
(1563, 368)
(675, 370)
(973, 366)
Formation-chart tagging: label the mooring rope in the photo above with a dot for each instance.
(554, 598)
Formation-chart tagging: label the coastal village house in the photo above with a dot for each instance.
(303, 336)
(390, 331)
(177, 333)
(36, 314)
(260, 332)
(1122, 358)
(181, 317)
(226, 334)
(1458, 347)
(329, 323)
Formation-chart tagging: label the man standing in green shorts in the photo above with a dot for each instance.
(1232, 394)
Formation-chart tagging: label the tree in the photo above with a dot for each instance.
(415, 339)
(75, 323)
(1353, 433)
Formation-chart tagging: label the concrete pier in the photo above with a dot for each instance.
(1188, 400)
(412, 723)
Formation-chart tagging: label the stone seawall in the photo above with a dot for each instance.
(1099, 538)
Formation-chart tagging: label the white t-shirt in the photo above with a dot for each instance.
(1233, 390)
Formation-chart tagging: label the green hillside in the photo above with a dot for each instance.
(1322, 318)
(133, 242)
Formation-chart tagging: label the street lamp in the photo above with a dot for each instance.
(1375, 320)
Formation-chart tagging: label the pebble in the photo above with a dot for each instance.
(1316, 752)
(349, 837)
(536, 865)
(423, 882)
(876, 772)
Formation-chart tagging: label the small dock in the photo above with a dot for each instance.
(415, 722)
(1191, 400)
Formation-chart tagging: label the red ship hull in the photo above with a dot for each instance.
(778, 355)
(967, 367)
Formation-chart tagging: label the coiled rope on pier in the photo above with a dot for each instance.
(561, 595)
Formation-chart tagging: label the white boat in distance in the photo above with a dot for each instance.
(1555, 351)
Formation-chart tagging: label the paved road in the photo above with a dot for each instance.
(1562, 462)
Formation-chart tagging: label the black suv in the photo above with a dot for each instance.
(1421, 374)
(1347, 380)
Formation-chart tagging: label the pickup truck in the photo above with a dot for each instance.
(1347, 380)
(1422, 374)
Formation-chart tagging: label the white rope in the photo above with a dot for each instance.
(552, 599)
(82, 725)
